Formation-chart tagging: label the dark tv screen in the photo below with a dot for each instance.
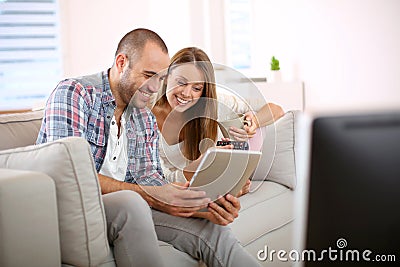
(354, 189)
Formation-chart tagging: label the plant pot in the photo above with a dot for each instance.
(275, 76)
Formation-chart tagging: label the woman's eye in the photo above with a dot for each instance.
(197, 89)
(181, 83)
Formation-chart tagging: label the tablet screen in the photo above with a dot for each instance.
(223, 171)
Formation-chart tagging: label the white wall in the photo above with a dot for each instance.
(91, 29)
(346, 51)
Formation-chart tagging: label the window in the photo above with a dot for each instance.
(30, 57)
(238, 33)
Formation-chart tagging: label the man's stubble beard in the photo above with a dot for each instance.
(124, 87)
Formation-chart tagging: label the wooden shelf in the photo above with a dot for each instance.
(14, 111)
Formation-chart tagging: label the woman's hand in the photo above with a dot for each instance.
(225, 146)
(268, 114)
(251, 123)
(223, 213)
(245, 189)
(249, 129)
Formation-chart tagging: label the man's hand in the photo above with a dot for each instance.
(175, 199)
(223, 213)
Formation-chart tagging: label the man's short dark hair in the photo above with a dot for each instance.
(133, 42)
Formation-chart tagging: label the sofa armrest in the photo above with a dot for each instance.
(28, 219)
(81, 218)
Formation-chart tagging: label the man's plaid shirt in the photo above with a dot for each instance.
(84, 107)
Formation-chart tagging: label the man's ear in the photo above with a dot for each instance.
(121, 61)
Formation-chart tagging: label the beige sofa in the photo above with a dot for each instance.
(51, 211)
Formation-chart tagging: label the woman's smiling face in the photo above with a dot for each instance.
(185, 86)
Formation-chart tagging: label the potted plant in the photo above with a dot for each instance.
(275, 70)
(275, 64)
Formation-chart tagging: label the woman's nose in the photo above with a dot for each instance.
(186, 90)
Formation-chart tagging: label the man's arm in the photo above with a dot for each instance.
(65, 112)
(169, 198)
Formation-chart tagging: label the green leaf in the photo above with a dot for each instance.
(274, 64)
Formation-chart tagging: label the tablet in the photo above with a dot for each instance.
(223, 171)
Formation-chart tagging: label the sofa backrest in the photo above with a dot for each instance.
(19, 129)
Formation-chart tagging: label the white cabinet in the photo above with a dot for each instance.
(289, 95)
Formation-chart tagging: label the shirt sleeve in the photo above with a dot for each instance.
(146, 168)
(159, 175)
(65, 112)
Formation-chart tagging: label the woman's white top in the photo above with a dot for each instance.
(173, 161)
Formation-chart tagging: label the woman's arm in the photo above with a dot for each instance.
(171, 173)
(268, 113)
(265, 115)
(191, 168)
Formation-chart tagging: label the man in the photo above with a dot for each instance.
(108, 110)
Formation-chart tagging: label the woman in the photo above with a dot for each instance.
(187, 114)
(189, 80)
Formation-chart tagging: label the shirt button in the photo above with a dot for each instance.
(108, 117)
(114, 158)
(113, 122)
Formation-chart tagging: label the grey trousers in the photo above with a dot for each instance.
(214, 244)
(133, 229)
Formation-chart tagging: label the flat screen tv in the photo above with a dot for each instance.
(350, 201)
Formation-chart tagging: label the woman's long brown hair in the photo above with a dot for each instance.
(202, 117)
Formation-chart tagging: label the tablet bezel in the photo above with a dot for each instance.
(243, 162)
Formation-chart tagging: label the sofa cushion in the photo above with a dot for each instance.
(68, 161)
(279, 151)
(19, 129)
(283, 169)
(266, 208)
